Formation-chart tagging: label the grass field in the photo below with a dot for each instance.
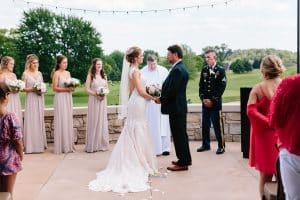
(232, 92)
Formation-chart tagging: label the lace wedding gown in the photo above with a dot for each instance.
(133, 158)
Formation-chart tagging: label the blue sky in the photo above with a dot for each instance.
(242, 24)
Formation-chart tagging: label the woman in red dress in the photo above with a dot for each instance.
(284, 117)
(263, 152)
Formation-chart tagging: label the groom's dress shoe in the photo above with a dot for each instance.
(165, 153)
(202, 148)
(177, 168)
(176, 163)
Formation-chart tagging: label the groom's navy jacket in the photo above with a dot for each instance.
(173, 94)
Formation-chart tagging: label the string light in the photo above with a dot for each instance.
(212, 4)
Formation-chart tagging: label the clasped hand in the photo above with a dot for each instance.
(157, 100)
(100, 98)
(207, 103)
(71, 89)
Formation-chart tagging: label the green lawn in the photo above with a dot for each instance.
(232, 92)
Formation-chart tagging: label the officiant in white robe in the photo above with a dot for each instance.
(158, 123)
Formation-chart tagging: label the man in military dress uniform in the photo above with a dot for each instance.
(211, 88)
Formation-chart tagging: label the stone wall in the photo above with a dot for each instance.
(231, 118)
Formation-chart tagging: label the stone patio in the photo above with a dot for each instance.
(211, 177)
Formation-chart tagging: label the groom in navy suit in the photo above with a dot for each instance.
(173, 102)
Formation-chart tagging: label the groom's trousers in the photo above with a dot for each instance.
(180, 138)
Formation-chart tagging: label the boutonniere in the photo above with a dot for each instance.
(211, 72)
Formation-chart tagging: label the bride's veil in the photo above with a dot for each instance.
(124, 89)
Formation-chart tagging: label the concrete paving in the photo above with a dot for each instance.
(211, 177)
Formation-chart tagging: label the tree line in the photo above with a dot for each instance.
(47, 34)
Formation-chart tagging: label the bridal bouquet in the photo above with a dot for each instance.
(102, 91)
(153, 90)
(39, 88)
(16, 85)
(72, 82)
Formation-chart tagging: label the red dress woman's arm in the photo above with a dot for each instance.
(256, 117)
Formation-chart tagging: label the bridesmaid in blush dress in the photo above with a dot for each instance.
(6, 74)
(34, 127)
(97, 125)
(263, 153)
(63, 108)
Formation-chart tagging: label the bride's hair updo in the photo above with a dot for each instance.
(132, 53)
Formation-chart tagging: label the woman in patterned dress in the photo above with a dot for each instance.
(11, 147)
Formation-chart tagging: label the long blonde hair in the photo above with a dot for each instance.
(29, 59)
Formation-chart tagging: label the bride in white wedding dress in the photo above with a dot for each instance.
(133, 158)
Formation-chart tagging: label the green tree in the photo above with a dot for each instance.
(118, 57)
(256, 63)
(289, 58)
(191, 61)
(241, 66)
(8, 47)
(111, 69)
(163, 61)
(46, 34)
(115, 59)
(200, 62)
(8, 42)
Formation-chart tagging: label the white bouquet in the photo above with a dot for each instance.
(39, 88)
(16, 85)
(153, 90)
(72, 82)
(102, 91)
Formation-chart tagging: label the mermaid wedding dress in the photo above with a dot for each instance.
(133, 158)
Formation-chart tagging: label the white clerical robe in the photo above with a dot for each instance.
(158, 123)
